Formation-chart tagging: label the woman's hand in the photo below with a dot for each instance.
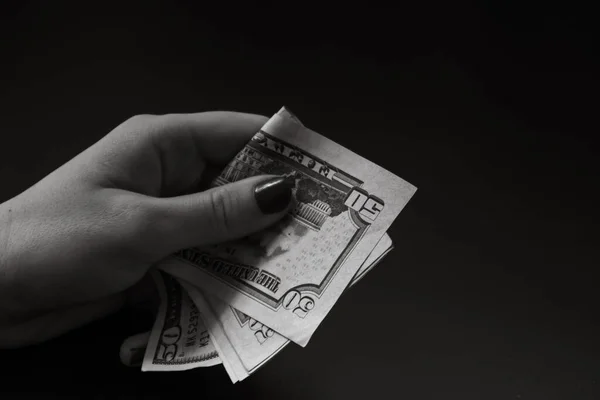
(74, 242)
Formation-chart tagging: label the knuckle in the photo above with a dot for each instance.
(132, 126)
(140, 122)
(140, 118)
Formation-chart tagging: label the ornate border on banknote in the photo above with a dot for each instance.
(187, 360)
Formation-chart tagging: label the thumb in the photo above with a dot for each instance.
(224, 213)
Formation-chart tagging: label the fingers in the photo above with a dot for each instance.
(223, 213)
(133, 349)
(217, 135)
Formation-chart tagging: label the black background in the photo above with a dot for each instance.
(490, 292)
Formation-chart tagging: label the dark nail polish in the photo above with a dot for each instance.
(274, 195)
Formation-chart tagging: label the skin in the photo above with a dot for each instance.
(72, 245)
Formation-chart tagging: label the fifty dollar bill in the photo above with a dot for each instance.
(179, 339)
(245, 343)
(290, 275)
(252, 343)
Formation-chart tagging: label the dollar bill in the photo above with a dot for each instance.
(247, 344)
(179, 338)
(290, 275)
(232, 363)
(252, 355)
(381, 250)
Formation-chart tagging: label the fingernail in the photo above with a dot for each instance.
(274, 195)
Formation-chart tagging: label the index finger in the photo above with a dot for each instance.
(217, 135)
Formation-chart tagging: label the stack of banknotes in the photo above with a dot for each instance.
(239, 304)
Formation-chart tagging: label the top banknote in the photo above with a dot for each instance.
(289, 276)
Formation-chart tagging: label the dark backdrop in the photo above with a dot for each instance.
(488, 110)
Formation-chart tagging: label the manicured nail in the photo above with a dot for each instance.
(274, 195)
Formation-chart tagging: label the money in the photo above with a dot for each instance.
(239, 304)
(231, 361)
(290, 276)
(252, 344)
(381, 250)
(179, 339)
(248, 344)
